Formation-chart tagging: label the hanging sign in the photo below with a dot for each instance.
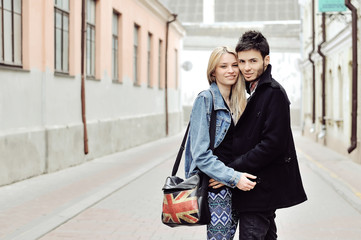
(331, 6)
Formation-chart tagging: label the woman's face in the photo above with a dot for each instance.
(227, 71)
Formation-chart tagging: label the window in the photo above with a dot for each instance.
(10, 39)
(115, 62)
(136, 50)
(160, 62)
(330, 95)
(340, 93)
(90, 39)
(176, 68)
(61, 23)
(149, 60)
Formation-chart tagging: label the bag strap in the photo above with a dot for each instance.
(212, 134)
(180, 153)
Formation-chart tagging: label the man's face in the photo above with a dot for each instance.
(251, 64)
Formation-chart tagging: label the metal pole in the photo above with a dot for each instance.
(354, 77)
(166, 74)
(323, 87)
(313, 70)
(83, 32)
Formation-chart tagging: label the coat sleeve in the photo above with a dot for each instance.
(272, 143)
(199, 145)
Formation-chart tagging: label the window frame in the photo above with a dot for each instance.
(90, 42)
(160, 62)
(176, 68)
(115, 47)
(136, 50)
(63, 12)
(18, 63)
(149, 60)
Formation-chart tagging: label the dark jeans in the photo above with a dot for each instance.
(256, 225)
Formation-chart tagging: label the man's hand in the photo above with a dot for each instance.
(245, 184)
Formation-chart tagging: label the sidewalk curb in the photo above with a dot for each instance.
(344, 189)
(36, 231)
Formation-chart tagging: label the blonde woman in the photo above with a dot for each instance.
(227, 96)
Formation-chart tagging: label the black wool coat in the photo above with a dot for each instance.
(263, 146)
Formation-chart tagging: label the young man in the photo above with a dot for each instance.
(263, 144)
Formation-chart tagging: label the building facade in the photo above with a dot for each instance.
(63, 102)
(331, 89)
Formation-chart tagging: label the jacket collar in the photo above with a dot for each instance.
(218, 101)
(265, 78)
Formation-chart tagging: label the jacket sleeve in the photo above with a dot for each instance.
(199, 145)
(273, 138)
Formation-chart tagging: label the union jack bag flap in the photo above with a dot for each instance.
(185, 201)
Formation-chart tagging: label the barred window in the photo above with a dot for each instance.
(176, 68)
(135, 60)
(115, 61)
(150, 59)
(160, 46)
(61, 23)
(11, 32)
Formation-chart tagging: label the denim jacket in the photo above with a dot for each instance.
(197, 154)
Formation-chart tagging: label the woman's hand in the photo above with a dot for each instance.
(214, 184)
(245, 184)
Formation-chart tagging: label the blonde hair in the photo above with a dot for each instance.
(238, 99)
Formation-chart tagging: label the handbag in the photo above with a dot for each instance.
(185, 201)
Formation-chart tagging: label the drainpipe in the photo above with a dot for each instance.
(313, 70)
(323, 26)
(166, 73)
(83, 32)
(354, 77)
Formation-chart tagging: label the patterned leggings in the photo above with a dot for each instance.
(222, 225)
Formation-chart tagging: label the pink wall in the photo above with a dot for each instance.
(134, 13)
(38, 38)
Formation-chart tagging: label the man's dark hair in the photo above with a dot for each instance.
(253, 40)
